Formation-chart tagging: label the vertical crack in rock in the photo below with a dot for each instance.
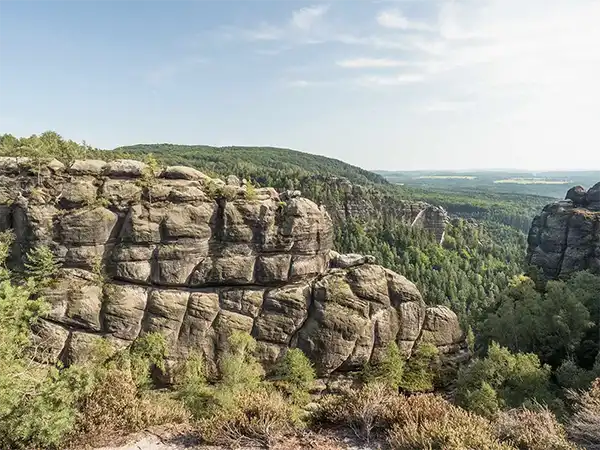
(565, 246)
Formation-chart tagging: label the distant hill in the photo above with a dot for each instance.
(268, 166)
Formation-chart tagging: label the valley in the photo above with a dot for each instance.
(260, 296)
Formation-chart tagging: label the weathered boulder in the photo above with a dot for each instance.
(565, 237)
(194, 259)
(577, 195)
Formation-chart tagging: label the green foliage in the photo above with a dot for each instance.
(192, 387)
(238, 367)
(390, 369)
(466, 278)
(420, 370)
(50, 145)
(6, 241)
(295, 375)
(483, 400)
(37, 405)
(569, 375)
(41, 266)
(267, 166)
(147, 352)
(517, 379)
(552, 323)
(250, 193)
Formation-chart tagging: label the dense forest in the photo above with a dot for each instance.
(535, 342)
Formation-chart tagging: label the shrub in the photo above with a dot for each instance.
(6, 241)
(363, 410)
(420, 371)
(41, 266)
(295, 376)
(584, 425)
(428, 421)
(571, 376)
(483, 401)
(116, 406)
(532, 430)
(258, 417)
(389, 371)
(191, 385)
(250, 193)
(144, 354)
(238, 367)
(517, 379)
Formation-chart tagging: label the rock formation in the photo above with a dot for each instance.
(194, 258)
(366, 203)
(565, 237)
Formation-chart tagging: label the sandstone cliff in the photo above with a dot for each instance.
(194, 258)
(565, 237)
(366, 203)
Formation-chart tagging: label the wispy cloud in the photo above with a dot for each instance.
(394, 18)
(305, 18)
(372, 63)
(396, 80)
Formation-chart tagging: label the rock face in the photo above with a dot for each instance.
(196, 258)
(366, 203)
(565, 237)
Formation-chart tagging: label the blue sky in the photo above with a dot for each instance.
(384, 84)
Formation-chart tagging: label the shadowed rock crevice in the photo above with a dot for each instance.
(204, 259)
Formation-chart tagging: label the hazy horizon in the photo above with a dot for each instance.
(413, 85)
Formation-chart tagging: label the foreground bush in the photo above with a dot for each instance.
(429, 422)
(584, 425)
(242, 408)
(363, 410)
(294, 375)
(532, 429)
(420, 370)
(503, 379)
(259, 417)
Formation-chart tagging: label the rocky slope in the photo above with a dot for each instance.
(565, 237)
(194, 258)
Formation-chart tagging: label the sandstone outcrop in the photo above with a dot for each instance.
(367, 203)
(194, 258)
(565, 237)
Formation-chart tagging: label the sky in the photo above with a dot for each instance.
(382, 84)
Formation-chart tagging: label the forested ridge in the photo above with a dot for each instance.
(535, 342)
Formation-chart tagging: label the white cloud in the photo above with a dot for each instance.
(397, 80)
(305, 18)
(394, 18)
(370, 63)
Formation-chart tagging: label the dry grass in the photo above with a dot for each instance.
(363, 410)
(260, 417)
(532, 430)
(115, 408)
(429, 422)
(584, 425)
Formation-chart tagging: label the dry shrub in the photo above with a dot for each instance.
(310, 440)
(532, 429)
(363, 410)
(260, 417)
(115, 407)
(429, 422)
(584, 425)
